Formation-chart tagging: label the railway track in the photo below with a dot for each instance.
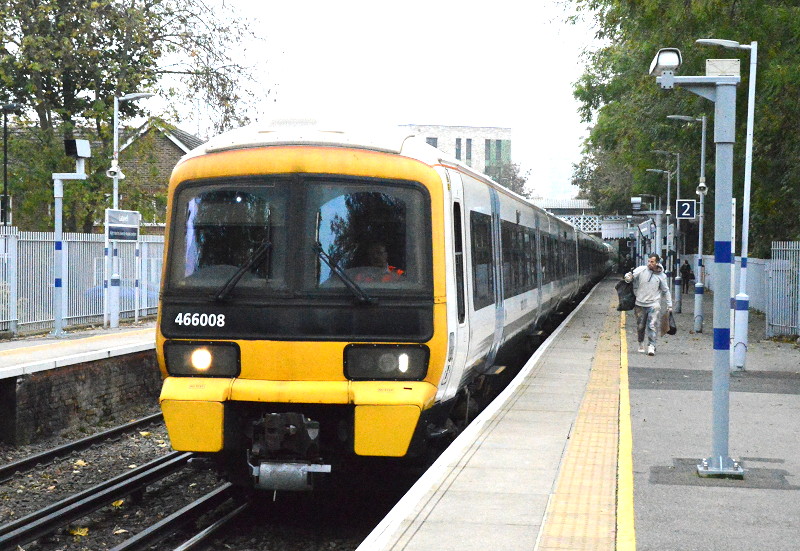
(10, 469)
(49, 519)
(174, 522)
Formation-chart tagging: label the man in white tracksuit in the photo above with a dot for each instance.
(649, 285)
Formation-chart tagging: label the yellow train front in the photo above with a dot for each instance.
(330, 295)
(302, 316)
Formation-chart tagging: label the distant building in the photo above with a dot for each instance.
(483, 148)
(578, 212)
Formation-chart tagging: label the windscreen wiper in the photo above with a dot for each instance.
(352, 286)
(254, 259)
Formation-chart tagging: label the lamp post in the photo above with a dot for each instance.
(667, 213)
(702, 190)
(742, 298)
(7, 108)
(676, 239)
(655, 211)
(114, 172)
(719, 86)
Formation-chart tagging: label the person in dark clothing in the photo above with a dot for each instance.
(686, 275)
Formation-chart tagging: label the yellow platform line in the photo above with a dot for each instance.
(582, 512)
(626, 531)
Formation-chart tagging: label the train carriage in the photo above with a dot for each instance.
(328, 295)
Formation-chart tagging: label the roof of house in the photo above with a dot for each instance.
(185, 141)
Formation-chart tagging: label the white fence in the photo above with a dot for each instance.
(757, 278)
(772, 285)
(27, 280)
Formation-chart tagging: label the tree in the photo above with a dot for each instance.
(507, 175)
(65, 60)
(629, 110)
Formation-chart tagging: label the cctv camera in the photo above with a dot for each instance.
(667, 59)
(115, 172)
(702, 188)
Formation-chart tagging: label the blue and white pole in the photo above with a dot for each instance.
(742, 298)
(58, 257)
(699, 286)
(59, 271)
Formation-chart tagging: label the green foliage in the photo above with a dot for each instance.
(65, 60)
(507, 175)
(629, 110)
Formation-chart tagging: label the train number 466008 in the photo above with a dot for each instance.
(200, 320)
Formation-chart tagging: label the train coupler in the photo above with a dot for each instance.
(293, 477)
(285, 452)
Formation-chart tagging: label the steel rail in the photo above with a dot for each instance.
(201, 537)
(8, 470)
(168, 525)
(43, 522)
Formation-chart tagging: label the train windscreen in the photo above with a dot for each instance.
(313, 236)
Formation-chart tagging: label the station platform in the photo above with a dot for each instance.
(29, 355)
(596, 446)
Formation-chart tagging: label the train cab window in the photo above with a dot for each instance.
(219, 231)
(374, 237)
(482, 259)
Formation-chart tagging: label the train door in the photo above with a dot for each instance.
(459, 331)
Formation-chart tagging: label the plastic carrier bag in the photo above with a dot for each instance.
(627, 300)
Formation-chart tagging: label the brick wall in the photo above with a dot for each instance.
(100, 392)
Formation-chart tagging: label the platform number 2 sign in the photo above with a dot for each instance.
(686, 208)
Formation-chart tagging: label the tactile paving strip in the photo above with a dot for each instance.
(582, 512)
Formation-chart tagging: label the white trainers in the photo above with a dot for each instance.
(651, 350)
(641, 348)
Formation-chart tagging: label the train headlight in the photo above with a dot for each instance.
(386, 362)
(202, 359)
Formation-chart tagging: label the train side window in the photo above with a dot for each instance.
(459, 262)
(530, 252)
(482, 259)
(518, 270)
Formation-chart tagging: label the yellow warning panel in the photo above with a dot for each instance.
(384, 430)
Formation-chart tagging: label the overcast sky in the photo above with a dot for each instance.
(464, 63)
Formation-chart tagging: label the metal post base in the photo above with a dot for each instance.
(720, 467)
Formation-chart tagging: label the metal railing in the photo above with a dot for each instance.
(27, 281)
(783, 309)
(773, 286)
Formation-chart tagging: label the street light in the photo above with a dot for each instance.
(742, 298)
(667, 213)
(114, 172)
(7, 108)
(702, 190)
(676, 239)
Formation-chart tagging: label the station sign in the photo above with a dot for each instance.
(686, 209)
(122, 225)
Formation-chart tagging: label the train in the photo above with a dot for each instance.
(329, 295)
